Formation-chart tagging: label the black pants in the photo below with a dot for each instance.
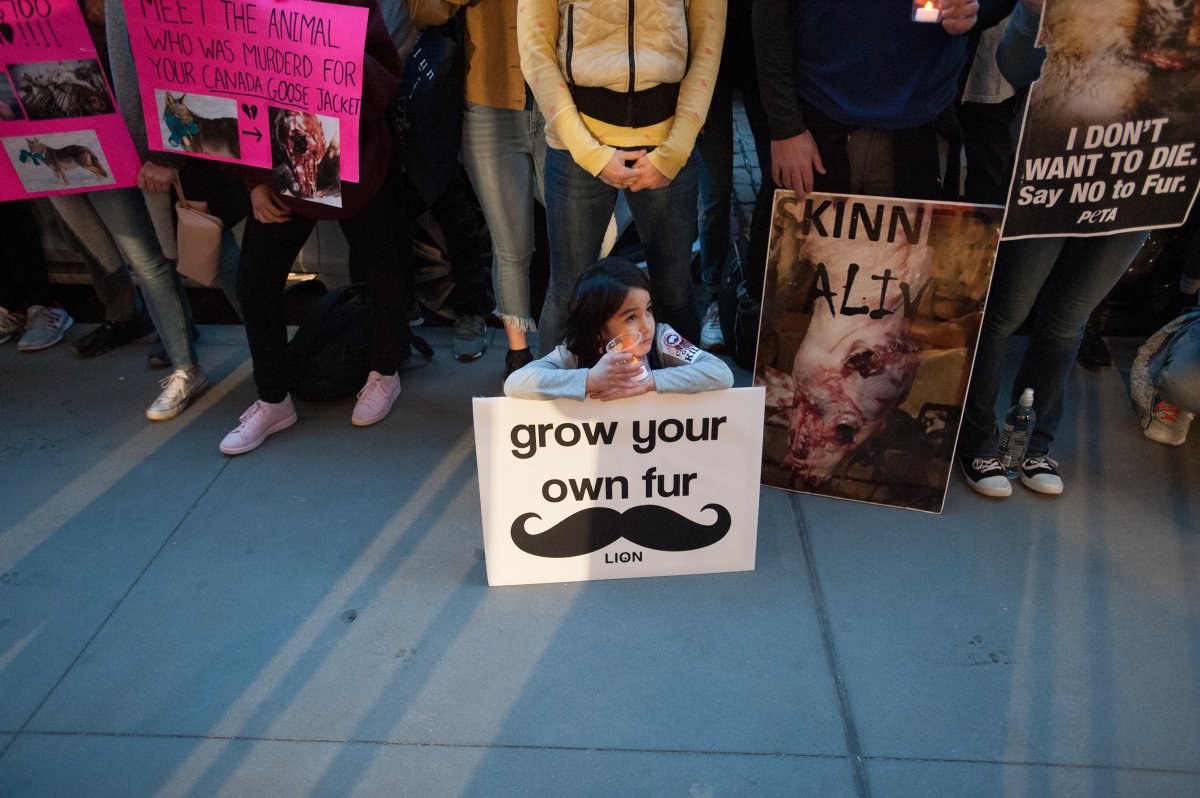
(268, 251)
(23, 278)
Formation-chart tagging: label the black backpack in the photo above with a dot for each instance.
(328, 355)
(738, 309)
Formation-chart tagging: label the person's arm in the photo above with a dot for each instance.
(555, 376)
(794, 153)
(706, 35)
(431, 13)
(687, 367)
(1020, 61)
(537, 38)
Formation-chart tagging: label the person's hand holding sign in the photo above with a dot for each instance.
(156, 177)
(267, 206)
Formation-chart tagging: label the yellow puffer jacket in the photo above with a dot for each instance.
(612, 44)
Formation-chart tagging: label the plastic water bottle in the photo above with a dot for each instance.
(1014, 438)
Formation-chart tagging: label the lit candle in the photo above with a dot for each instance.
(927, 12)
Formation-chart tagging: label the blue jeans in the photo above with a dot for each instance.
(124, 213)
(1065, 278)
(578, 207)
(504, 151)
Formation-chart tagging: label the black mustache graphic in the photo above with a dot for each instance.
(648, 526)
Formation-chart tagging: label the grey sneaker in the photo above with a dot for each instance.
(469, 340)
(179, 390)
(10, 324)
(44, 328)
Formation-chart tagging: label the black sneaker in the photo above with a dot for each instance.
(1041, 474)
(470, 337)
(1093, 353)
(985, 475)
(110, 335)
(515, 359)
(157, 359)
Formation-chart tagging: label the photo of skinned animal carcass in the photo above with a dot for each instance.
(62, 89)
(871, 312)
(1117, 60)
(305, 155)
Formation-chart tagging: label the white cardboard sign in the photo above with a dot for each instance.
(655, 485)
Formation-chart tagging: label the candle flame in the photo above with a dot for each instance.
(929, 3)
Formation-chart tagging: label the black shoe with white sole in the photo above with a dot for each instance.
(985, 475)
(1041, 474)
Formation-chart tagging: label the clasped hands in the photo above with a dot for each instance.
(640, 175)
(613, 377)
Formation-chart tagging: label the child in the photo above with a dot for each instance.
(612, 297)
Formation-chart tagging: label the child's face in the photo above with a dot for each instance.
(636, 313)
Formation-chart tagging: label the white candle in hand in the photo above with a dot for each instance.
(928, 12)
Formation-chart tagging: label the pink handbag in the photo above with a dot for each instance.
(198, 238)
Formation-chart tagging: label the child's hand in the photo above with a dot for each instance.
(629, 389)
(615, 372)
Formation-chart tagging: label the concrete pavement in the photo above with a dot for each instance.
(313, 618)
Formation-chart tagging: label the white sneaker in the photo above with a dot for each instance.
(44, 327)
(10, 324)
(375, 400)
(260, 420)
(179, 390)
(1169, 424)
(711, 337)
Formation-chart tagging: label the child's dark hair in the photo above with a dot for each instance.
(598, 294)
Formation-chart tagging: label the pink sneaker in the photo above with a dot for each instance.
(259, 421)
(376, 398)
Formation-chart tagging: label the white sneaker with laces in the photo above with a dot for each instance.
(711, 337)
(179, 390)
(1169, 424)
(260, 420)
(376, 398)
(44, 327)
(10, 324)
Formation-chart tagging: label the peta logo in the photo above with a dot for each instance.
(677, 346)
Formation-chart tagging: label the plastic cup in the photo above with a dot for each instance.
(630, 342)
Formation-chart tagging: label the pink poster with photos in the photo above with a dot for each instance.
(59, 127)
(269, 83)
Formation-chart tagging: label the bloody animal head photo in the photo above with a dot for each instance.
(305, 156)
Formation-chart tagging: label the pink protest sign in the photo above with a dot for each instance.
(242, 80)
(59, 126)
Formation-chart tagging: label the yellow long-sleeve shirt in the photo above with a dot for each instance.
(592, 142)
